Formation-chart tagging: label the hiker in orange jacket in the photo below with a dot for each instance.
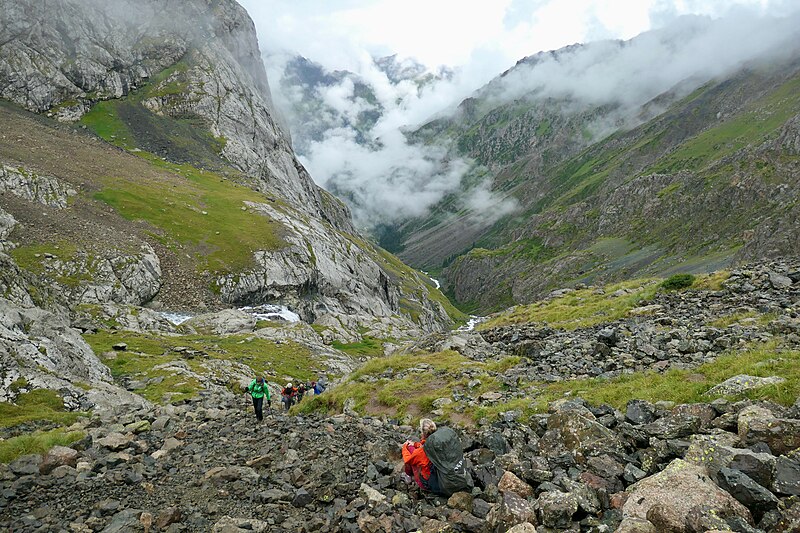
(417, 464)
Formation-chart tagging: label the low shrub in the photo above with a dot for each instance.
(677, 282)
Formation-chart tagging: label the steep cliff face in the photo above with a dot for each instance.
(205, 205)
(63, 56)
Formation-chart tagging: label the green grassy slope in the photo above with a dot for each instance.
(679, 193)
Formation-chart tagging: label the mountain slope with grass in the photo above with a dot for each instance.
(203, 189)
(694, 178)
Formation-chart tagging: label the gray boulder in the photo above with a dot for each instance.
(666, 498)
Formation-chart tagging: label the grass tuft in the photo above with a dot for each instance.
(38, 442)
(580, 309)
(36, 405)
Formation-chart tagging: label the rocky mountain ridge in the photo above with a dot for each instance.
(604, 181)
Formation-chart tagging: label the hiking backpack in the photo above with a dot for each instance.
(443, 448)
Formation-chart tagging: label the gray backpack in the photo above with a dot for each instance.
(449, 475)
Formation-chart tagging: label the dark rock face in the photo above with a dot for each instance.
(639, 412)
(747, 492)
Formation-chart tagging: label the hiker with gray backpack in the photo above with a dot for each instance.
(436, 463)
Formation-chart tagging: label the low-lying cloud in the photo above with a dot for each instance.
(383, 176)
(387, 179)
(631, 73)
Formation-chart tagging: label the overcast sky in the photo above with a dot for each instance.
(495, 33)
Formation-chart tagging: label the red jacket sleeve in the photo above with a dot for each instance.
(417, 458)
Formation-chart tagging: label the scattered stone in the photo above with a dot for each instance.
(302, 498)
(116, 441)
(58, 456)
(511, 483)
(556, 509)
(170, 515)
(640, 412)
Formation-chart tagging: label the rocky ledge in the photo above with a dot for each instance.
(208, 466)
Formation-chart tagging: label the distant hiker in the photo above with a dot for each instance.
(301, 391)
(319, 385)
(437, 462)
(258, 389)
(288, 395)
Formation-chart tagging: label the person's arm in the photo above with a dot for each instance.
(406, 453)
(418, 458)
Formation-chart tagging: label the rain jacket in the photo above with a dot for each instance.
(258, 390)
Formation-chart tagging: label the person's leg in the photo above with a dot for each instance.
(258, 404)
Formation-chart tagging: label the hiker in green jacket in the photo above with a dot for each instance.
(258, 389)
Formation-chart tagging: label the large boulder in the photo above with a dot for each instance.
(557, 508)
(511, 511)
(743, 383)
(576, 433)
(749, 493)
(667, 498)
(58, 456)
(759, 424)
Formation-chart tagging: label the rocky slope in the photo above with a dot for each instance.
(207, 466)
(727, 462)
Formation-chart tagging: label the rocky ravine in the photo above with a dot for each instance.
(207, 466)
